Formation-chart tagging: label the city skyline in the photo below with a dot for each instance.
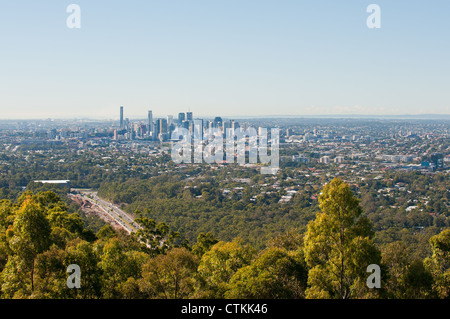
(258, 58)
(143, 118)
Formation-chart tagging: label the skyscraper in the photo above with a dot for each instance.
(226, 125)
(162, 126)
(155, 131)
(181, 118)
(185, 124)
(189, 116)
(218, 121)
(150, 121)
(169, 119)
(121, 117)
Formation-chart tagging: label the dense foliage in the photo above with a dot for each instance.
(40, 238)
(254, 214)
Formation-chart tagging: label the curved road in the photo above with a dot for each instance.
(125, 220)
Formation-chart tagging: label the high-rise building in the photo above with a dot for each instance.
(155, 131)
(288, 132)
(150, 121)
(339, 159)
(121, 117)
(181, 118)
(196, 128)
(300, 159)
(185, 124)
(261, 131)
(171, 128)
(140, 130)
(162, 126)
(51, 134)
(226, 125)
(218, 122)
(437, 159)
(189, 116)
(324, 160)
(169, 120)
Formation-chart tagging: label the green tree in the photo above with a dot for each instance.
(338, 246)
(290, 240)
(204, 243)
(15, 279)
(276, 274)
(157, 237)
(62, 219)
(405, 277)
(86, 256)
(418, 281)
(439, 263)
(106, 232)
(30, 235)
(170, 276)
(219, 264)
(6, 215)
(51, 274)
(117, 267)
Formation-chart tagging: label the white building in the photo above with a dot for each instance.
(339, 159)
(324, 160)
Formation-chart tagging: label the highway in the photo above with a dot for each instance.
(122, 218)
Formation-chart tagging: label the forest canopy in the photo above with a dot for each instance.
(328, 258)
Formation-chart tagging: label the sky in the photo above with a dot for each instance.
(223, 58)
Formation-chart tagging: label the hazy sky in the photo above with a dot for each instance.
(223, 57)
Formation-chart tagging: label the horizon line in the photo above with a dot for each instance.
(284, 116)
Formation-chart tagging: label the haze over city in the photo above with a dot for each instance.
(233, 58)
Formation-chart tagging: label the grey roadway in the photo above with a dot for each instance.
(122, 218)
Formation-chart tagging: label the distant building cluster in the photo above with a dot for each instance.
(334, 145)
(161, 129)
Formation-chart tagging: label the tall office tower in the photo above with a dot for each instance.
(181, 118)
(197, 129)
(234, 125)
(189, 116)
(185, 124)
(171, 128)
(158, 127)
(150, 122)
(288, 132)
(218, 122)
(437, 159)
(226, 125)
(260, 131)
(162, 126)
(51, 134)
(169, 120)
(121, 117)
